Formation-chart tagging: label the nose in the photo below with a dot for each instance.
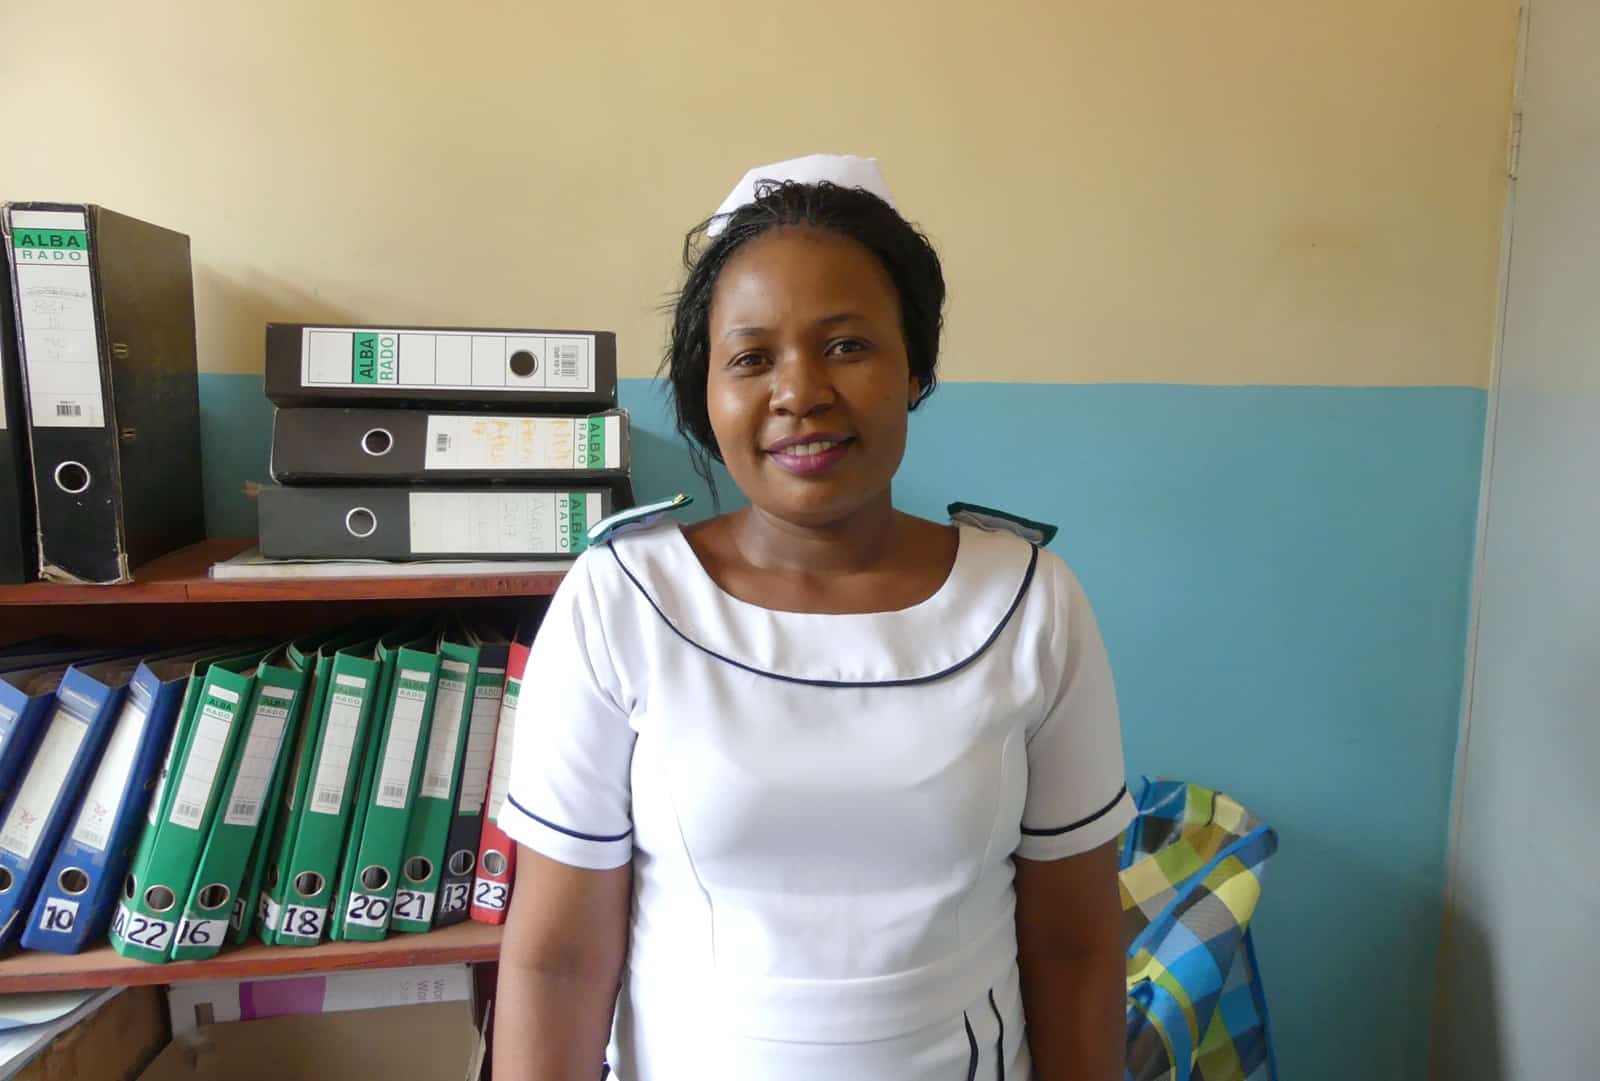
(802, 386)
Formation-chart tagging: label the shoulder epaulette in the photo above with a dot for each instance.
(636, 518)
(988, 518)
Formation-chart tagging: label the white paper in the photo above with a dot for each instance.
(42, 787)
(501, 781)
(55, 316)
(445, 736)
(480, 741)
(221, 1000)
(338, 744)
(111, 777)
(444, 360)
(206, 746)
(494, 522)
(400, 748)
(260, 754)
(470, 442)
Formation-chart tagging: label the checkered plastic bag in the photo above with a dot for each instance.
(1191, 879)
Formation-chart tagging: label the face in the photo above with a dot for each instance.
(809, 386)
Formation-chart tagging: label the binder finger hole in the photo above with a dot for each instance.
(494, 863)
(523, 363)
(462, 860)
(214, 896)
(308, 883)
(72, 478)
(375, 878)
(377, 442)
(159, 898)
(6, 880)
(129, 887)
(418, 869)
(360, 522)
(73, 881)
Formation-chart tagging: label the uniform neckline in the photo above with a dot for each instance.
(926, 641)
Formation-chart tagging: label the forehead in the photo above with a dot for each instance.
(795, 271)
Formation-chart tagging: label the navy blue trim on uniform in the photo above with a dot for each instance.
(1022, 591)
(972, 1048)
(999, 1041)
(562, 829)
(1082, 822)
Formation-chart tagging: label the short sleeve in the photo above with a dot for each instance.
(569, 795)
(1077, 783)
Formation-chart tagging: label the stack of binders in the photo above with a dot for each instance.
(420, 444)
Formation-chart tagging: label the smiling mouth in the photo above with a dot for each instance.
(809, 459)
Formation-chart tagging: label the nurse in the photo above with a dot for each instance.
(816, 789)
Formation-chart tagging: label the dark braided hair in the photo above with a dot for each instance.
(904, 251)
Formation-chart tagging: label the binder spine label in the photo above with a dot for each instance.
(501, 781)
(445, 360)
(259, 756)
(439, 765)
(338, 744)
(98, 813)
(502, 523)
(400, 749)
(201, 933)
(486, 697)
(34, 801)
(457, 442)
(206, 748)
(146, 931)
(55, 316)
(414, 905)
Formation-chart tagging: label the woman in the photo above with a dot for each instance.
(827, 790)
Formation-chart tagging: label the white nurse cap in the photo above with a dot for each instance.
(845, 170)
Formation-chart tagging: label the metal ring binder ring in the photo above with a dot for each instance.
(159, 898)
(73, 881)
(358, 517)
(377, 442)
(494, 862)
(6, 880)
(375, 877)
(72, 470)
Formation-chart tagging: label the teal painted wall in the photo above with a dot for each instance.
(1282, 575)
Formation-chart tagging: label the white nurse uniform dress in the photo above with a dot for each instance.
(820, 810)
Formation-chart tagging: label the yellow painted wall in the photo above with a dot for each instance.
(1245, 191)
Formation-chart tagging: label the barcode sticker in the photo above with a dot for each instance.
(260, 755)
(338, 745)
(42, 787)
(400, 750)
(501, 780)
(206, 747)
(439, 765)
(56, 316)
(111, 777)
(480, 740)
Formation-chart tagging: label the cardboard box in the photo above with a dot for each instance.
(115, 1043)
(402, 1043)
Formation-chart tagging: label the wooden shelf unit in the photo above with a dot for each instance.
(175, 599)
(104, 967)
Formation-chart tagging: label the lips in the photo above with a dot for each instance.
(810, 454)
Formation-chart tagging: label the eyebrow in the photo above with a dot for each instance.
(826, 321)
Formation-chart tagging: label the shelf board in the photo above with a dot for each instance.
(183, 577)
(103, 967)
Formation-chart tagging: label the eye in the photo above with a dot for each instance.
(748, 361)
(842, 346)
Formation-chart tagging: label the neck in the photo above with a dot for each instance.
(856, 543)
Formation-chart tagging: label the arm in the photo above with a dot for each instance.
(560, 964)
(1073, 965)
